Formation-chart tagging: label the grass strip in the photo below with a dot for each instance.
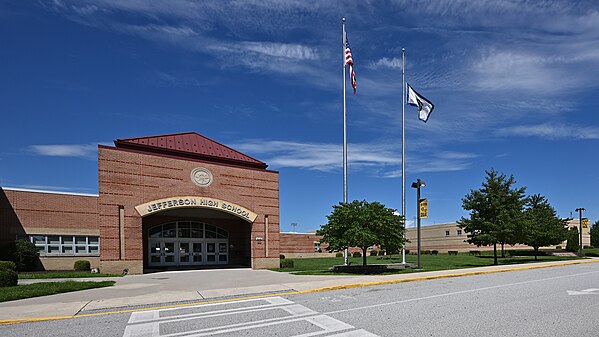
(64, 274)
(47, 288)
(320, 266)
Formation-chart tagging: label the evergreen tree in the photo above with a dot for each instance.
(595, 234)
(573, 244)
(495, 212)
(362, 224)
(541, 225)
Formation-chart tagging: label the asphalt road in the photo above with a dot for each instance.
(560, 301)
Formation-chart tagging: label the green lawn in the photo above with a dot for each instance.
(320, 266)
(64, 274)
(47, 288)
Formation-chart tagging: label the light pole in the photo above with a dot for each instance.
(293, 224)
(579, 210)
(417, 184)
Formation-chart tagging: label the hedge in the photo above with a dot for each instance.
(82, 265)
(8, 265)
(8, 278)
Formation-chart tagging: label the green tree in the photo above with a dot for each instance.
(495, 212)
(362, 224)
(595, 234)
(573, 244)
(541, 225)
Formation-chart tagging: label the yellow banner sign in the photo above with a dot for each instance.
(585, 222)
(160, 205)
(423, 208)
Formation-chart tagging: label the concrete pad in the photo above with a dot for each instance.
(145, 299)
(41, 310)
(226, 292)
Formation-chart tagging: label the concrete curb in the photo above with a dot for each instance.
(313, 290)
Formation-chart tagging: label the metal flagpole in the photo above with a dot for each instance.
(403, 150)
(345, 251)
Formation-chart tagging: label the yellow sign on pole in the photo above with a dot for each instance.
(423, 208)
(585, 222)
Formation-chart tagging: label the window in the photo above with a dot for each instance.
(66, 244)
(446, 233)
(459, 232)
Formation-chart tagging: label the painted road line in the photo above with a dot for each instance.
(154, 315)
(457, 293)
(299, 318)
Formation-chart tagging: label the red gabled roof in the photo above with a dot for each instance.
(189, 145)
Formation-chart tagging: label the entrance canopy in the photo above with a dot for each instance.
(179, 202)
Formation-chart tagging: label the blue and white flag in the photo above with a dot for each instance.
(425, 107)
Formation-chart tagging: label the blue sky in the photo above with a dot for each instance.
(514, 84)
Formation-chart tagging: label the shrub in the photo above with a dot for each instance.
(586, 247)
(82, 265)
(356, 254)
(425, 251)
(373, 253)
(592, 254)
(8, 278)
(558, 247)
(282, 257)
(407, 251)
(339, 254)
(572, 245)
(434, 252)
(25, 255)
(285, 263)
(8, 265)
(382, 253)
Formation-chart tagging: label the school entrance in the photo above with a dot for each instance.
(187, 243)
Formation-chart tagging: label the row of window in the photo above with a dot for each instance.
(187, 229)
(458, 231)
(66, 244)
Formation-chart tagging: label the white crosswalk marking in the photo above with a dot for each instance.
(256, 317)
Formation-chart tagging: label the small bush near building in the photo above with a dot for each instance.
(587, 247)
(434, 252)
(373, 253)
(356, 254)
(285, 263)
(8, 265)
(82, 265)
(591, 254)
(8, 278)
(558, 247)
(407, 251)
(382, 253)
(452, 252)
(25, 255)
(339, 254)
(282, 257)
(426, 252)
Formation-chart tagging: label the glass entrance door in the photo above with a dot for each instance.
(162, 253)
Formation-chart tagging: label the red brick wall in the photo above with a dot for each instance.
(128, 178)
(300, 243)
(24, 213)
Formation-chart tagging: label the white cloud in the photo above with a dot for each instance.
(379, 159)
(552, 131)
(87, 151)
(393, 63)
(292, 51)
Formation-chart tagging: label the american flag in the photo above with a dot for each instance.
(349, 61)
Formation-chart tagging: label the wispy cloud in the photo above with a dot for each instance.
(87, 151)
(552, 131)
(380, 159)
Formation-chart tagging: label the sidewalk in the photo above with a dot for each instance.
(201, 285)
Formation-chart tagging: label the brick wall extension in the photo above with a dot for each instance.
(128, 178)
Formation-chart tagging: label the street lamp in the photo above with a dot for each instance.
(417, 184)
(579, 210)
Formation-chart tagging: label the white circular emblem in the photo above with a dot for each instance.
(201, 177)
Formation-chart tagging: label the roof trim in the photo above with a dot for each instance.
(17, 189)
